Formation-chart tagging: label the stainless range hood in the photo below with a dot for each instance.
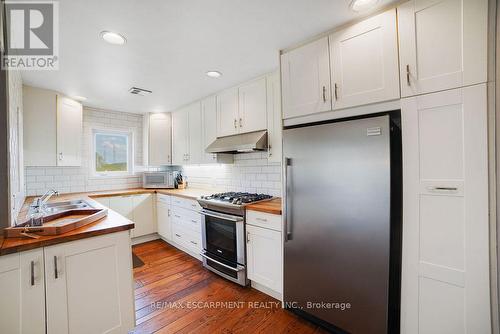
(246, 142)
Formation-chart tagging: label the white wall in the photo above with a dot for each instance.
(251, 172)
(79, 179)
(16, 167)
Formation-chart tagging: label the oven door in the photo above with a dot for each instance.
(223, 236)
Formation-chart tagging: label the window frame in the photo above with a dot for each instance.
(130, 153)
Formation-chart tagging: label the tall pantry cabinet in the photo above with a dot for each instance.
(445, 273)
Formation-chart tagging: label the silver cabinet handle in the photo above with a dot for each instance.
(56, 273)
(239, 268)
(324, 93)
(194, 243)
(261, 219)
(235, 123)
(32, 273)
(408, 75)
(288, 220)
(335, 88)
(168, 212)
(194, 221)
(178, 235)
(248, 237)
(241, 122)
(177, 216)
(60, 156)
(450, 189)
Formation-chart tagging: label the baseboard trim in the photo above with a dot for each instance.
(267, 291)
(145, 238)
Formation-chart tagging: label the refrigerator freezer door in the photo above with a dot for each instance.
(338, 219)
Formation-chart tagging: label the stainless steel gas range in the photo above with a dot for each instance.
(223, 233)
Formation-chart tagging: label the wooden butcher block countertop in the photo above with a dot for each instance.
(114, 222)
(272, 206)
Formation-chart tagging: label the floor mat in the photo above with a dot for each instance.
(136, 261)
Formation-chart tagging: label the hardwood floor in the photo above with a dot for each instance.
(175, 294)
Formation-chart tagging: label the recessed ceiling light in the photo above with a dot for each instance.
(79, 98)
(361, 5)
(113, 38)
(214, 74)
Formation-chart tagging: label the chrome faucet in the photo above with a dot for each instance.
(36, 212)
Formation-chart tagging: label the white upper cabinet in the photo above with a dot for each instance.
(160, 139)
(227, 112)
(274, 125)
(209, 121)
(306, 79)
(179, 136)
(364, 60)
(194, 133)
(53, 128)
(443, 44)
(69, 131)
(252, 106)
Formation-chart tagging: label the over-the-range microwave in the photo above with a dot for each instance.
(158, 180)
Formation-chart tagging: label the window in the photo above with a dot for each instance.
(112, 152)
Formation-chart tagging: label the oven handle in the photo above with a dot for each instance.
(221, 216)
(238, 268)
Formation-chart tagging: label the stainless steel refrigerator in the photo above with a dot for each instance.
(343, 223)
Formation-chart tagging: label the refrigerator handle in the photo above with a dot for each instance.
(287, 221)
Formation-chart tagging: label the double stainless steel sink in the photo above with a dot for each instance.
(56, 207)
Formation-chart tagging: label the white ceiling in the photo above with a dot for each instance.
(172, 43)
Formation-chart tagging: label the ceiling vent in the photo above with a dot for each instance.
(139, 91)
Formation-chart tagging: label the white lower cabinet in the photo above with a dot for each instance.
(163, 217)
(186, 225)
(445, 272)
(89, 285)
(265, 256)
(22, 286)
(138, 208)
(83, 286)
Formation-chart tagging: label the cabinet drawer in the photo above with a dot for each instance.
(186, 238)
(163, 198)
(186, 203)
(265, 220)
(190, 222)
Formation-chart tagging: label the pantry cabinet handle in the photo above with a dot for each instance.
(408, 75)
(32, 274)
(336, 87)
(324, 93)
(56, 274)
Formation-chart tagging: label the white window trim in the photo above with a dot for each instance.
(130, 154)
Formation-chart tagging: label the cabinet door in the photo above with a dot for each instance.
(195, 133)
(209, 120)
(445, 286)
(160, 139)
(364, 60)
(164, 221)
(227, 112)
(122, 205)
(69, 132)
(103, 201)
(252, 106)
(442, 44)
(143, 215)
(179, 136)
(89, 285)
(274, 124)
(305, 74)
(264, 257)
(22, 286)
